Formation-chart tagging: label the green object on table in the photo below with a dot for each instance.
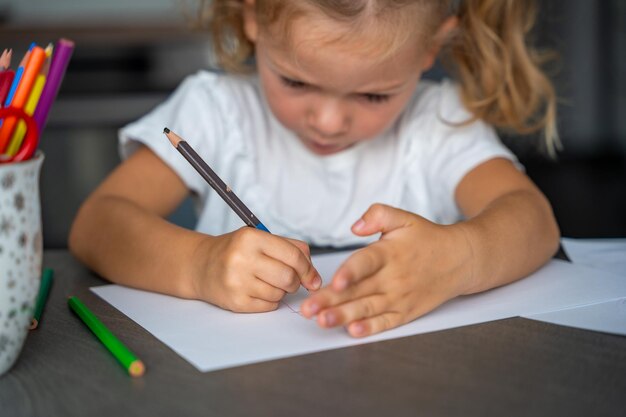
(129, 361)
(42, 296)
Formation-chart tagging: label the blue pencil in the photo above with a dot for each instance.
(18, 76)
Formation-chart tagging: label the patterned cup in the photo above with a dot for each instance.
(20, 253)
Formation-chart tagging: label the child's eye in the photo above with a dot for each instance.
(376, 98)
(292, 83)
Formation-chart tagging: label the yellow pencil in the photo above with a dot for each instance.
(31, 104)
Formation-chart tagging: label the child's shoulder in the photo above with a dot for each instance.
(437, 101)
(436, 121)
(221, 87)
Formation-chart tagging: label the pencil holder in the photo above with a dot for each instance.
(21, 253)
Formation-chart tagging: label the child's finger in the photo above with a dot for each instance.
(374, 324)
(245, 303)
(303, 246)
(256, 305)
(315, 280)
(277, 274)
(362, 308)
(291, 255)
(328, 297)
(262, 290)
(381, 218)
(360, 265)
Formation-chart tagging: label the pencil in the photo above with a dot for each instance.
(42, 297)
(58, 66)
(17, 78)
(129, 361)
(31, 104)
(22, 92)
(5, 59)
(6, 80)
(214, 181)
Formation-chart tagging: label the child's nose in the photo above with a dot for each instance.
(329, 118)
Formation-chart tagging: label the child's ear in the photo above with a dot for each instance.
(444, 33)
(250, 25)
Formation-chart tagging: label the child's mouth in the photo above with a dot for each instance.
(323, 148)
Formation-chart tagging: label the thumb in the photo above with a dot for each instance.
(380, 218)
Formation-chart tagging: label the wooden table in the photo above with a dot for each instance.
(509, 367)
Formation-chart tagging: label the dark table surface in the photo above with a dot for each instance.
(502, 368)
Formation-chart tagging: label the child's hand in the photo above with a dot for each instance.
(414, 267)
(250, 270)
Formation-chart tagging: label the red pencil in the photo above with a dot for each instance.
(6, 74)
(6, 80)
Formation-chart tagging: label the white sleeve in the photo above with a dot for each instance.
(192, 113)
(448, 151)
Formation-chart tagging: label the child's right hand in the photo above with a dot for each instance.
(249, 270)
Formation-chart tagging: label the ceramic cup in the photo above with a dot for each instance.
(21, 253)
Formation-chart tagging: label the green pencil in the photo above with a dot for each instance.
(42, 296)
(129, 361)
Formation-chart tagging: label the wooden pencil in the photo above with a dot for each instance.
(31, 104)
(6, 80)
(42, 297)
(5, 59)
(214, 181)
(22, 91)
(124, 356)
(17, 78)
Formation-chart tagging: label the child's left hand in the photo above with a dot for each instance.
(414, 267)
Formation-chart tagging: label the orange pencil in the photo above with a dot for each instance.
(31, 104)
(36, 60)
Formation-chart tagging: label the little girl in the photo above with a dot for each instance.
(334, 140)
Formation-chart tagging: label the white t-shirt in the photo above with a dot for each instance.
(415, 165)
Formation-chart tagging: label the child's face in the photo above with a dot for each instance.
(333, 95)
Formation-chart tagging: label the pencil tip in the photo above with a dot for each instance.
(173, 137)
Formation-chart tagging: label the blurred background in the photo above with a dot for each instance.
(131, 54)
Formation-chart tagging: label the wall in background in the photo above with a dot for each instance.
(64, 11)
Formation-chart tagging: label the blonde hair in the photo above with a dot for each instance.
(500, 75)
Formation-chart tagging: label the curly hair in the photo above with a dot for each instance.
(500, 74)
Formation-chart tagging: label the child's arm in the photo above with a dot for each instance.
(121, 234)
(417, 265)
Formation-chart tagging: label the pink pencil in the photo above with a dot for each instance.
(5, 59)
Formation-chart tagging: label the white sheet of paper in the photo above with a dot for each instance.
(606, 254)
(608, 317)
(211, 338)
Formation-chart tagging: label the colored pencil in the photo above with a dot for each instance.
(42, 297)
(31, 104)
(124, 356)
(214, 181)
(22, 92)
(5, 59)
(17, 78)
(60, 59)
(6, 80)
